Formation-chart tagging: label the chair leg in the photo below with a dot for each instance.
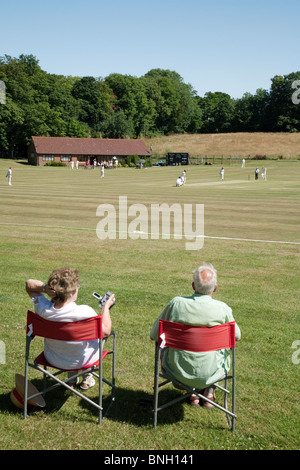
(233, 405)
(45, 380)
(114, 367)
(100, 392)
(26, 391)
(28, 341)
(230, 417)
(111, 384)
(233, 388)
(156, 379)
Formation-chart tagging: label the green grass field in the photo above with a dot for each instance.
(48, 220)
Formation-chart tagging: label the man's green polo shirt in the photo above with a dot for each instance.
(198, 370)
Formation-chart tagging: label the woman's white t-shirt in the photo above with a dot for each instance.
(68, 355)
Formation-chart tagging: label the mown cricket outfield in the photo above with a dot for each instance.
(49, 219)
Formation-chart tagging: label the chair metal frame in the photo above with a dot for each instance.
(200, 339)
(88, 329)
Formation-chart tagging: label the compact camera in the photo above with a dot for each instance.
(104, 299)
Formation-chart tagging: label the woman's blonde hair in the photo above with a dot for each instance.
(64, 282)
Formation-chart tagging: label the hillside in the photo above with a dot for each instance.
(235, 144)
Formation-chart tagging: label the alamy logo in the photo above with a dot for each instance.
(2, 352)
(2, 92)
(161, 221)
(296, 354)
(296, 94)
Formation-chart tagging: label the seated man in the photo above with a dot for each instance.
(62, 288)
(198, 370)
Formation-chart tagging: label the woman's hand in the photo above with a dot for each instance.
(49, 291)
(106, 320)
(111, 301)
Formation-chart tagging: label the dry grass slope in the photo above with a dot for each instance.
(235, 144)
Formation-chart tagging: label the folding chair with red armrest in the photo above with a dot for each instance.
(83, 330)
(198, 339)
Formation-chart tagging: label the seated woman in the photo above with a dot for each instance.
(198, 370)
(62, 288)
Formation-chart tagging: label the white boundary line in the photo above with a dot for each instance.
(145, 233)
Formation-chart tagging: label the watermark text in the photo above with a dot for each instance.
(296, 354)
(296, 94)
(161, 221)
(2, 353)
(2, 92)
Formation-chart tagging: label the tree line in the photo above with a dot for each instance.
(125, 106)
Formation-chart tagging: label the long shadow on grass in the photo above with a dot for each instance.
(136, 407)
(130, 406)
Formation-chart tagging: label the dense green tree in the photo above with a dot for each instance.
(38, 103)
(96, 101)
(117, 126)
(218, 112)
(77, 128)
(17, 75)
(11, 120)
(177, 109)
(118, 106)
(27, 110)
(251, 112)
(283, 114)
(132, 99)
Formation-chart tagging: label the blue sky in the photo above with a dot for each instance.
(233, 46)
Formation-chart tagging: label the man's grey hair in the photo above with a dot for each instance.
(205, 286)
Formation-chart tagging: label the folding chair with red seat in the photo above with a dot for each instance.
(83, 330)
(198, 339)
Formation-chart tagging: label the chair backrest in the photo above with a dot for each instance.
(88, 329)
(196, 338)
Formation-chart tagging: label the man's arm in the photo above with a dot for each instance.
(165, 315)
(238, 335)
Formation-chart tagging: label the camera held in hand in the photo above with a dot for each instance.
(104, 299)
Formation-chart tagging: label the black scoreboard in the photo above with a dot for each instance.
(177, 159)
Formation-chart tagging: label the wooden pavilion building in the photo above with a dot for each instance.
(84, 150)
